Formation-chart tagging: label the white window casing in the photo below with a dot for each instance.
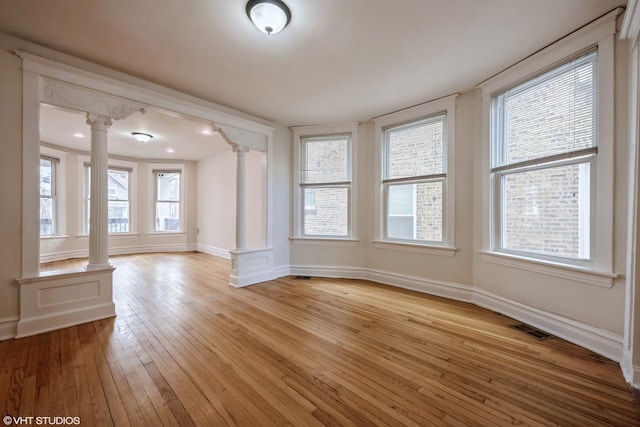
(311, 181)
(392, 221)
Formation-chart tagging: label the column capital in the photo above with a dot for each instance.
(234, 136)
(99, 121)
(239, 149)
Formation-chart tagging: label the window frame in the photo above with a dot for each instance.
(158, 169)
(55, 162)
(441, 177)
(599, 35)
(120, 166)
(501, 171)
(300, 134)
(129, 172)
(446, 107)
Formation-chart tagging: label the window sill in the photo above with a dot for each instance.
(562, 271)
(324, 241)
(415, 247)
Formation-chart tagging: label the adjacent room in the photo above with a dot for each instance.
(318, 212)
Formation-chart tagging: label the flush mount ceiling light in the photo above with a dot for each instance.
(142, 137)
(270, 16)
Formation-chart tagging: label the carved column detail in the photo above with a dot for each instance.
(241, 204)
(98, 233)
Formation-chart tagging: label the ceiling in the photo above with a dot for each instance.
(337, 61)
(174, 137)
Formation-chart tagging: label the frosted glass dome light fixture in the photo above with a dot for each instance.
(270, 16)
(142, 137)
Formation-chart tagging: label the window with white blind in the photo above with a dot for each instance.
(325, 186)
(544, 154)
(414, 180)
(48, 196)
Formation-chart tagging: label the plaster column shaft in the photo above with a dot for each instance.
(98, 233)
(241, 205)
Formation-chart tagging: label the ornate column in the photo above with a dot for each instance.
(241, 204)
(248, 266)
(98, 232)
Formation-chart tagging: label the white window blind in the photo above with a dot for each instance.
(552, 116)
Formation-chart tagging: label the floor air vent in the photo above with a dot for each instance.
(534, 332)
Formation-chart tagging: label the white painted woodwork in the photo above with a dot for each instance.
(241, 197)
(251, 266)
(98, 231)
(631, 346)
(61, 299)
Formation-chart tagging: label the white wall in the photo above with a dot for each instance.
(281, 196)
(216, 202)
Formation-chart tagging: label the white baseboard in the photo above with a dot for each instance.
(597, 340)
(38, 325)
(282, 271)
(8, 328)
(63, 255)
(451, 290)
(212, 250)
(122, 250)
(631, 373)
(602, 342)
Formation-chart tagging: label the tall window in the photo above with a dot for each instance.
(119, 196)
(167, 201)
(119, 204)
(325, 185)
(48, 196)
(544, 149)
(414, 180)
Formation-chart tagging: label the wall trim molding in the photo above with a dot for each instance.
(8, 327)
(212, 250)
(251, 266)
(56, 300)
(602, 342)
(38, 325)
(121, 250)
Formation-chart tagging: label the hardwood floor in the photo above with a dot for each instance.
(187, 349)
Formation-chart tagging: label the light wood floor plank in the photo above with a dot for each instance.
(187, 349)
